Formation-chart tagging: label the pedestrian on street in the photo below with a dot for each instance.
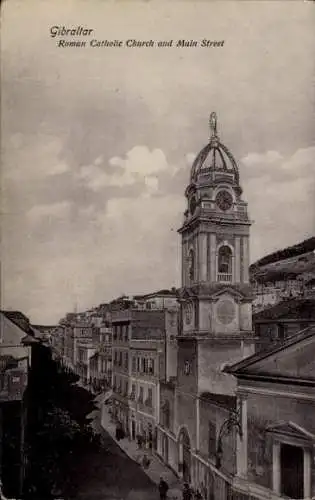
(145, 462)
(139, 441)
(163, 489)
(187, 493)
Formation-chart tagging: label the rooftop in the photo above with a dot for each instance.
(159, 293)
(297, 308)
(246, 363)
(223, 400)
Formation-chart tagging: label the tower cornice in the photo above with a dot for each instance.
(208, 291)
(215, 220)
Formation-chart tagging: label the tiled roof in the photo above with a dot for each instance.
(226, 401)
(297, 308)
(19, 319)
(165, 292)
(242, 365)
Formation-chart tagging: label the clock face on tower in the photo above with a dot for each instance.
(224, 200)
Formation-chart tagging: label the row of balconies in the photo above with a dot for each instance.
(142, 373)
(132, 397)
(120, 339)
(146, 405)
(105, 349)
(122, 366)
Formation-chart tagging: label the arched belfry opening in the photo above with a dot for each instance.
(225, 263)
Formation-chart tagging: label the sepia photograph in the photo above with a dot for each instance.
(157, 271)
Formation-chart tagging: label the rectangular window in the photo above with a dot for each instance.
(150, 366)
(150, 397)
(141, 395)
(133, 391)
(281, 331)
(120, 358)
(126, 361)
(138, 364)
(134, 364)
(126, 388)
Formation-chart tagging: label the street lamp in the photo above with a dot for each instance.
(234, 420)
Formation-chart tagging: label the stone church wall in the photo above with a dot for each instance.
(211, 358)
(186, 416)
(217, 416)
(267, 410)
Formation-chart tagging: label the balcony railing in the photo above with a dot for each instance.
(145, 407)
(225, 277)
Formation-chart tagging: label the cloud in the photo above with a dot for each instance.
(140, 161)
(93, 155)
(96, 179)
(152, 184)
(190, 158)
(87, 252)
(140, 165)
(32, 157)
(59, 210)
(266, 158)
(281, 197)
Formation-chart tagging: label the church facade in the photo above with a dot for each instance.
(200, 414)
(235, 424)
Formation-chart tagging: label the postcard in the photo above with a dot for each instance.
(157, 168)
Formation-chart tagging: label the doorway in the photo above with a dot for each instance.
(133, 430)
(292, 471)
(184, 455)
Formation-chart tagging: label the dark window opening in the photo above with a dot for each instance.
(225, 260)
(292, 471)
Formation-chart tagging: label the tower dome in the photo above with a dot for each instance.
(214, 159)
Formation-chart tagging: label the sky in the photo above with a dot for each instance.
(97, 143)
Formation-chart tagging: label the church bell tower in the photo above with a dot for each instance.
(216, 298)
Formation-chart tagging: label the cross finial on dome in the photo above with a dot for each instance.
(213, 124)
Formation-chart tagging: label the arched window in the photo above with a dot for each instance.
(191, 265)
(225, 263)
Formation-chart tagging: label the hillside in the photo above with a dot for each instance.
(295, 262)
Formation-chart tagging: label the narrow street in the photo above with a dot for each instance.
(107, 473)
(65, 460)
